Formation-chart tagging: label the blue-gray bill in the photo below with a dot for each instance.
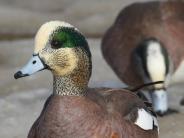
(34, 65)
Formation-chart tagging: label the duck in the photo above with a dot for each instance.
(146, 44)
(74, 110)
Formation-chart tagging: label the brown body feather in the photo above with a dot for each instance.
(161, 20)
(73, 110)
(103, 113)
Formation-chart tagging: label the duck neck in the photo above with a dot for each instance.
(74, 84)
(67, 86)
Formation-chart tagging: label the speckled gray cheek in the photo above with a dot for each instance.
(72, 84)
(47, 50)
(75, 83)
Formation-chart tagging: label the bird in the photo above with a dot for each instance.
(73, 109)
(146, 44)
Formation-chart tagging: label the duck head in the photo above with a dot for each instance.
(155, 66)
(61, 48)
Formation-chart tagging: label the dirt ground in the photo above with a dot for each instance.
(21, 100)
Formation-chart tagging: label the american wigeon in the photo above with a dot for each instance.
(146, 44)
(74, 110)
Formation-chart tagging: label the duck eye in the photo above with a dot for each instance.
(55, 44)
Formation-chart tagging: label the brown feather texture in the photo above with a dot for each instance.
(146, 44)
(74, 110)
(102, 113)
(137, 22)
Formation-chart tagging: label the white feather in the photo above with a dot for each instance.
(156, 63)
(145, 120)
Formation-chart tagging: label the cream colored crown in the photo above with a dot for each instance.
(45, 31)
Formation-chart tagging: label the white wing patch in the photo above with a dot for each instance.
(145, 120)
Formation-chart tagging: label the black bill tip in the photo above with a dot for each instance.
(19, 74)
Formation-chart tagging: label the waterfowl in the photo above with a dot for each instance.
(74, 110)
(146, 44)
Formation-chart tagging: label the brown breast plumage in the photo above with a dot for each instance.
(103, 113)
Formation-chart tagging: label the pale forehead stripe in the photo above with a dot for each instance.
(45, 31)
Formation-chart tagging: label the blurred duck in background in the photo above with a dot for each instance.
(146, 44)
(74, 110)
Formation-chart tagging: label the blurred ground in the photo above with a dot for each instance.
(21, 100)
(21, 18)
